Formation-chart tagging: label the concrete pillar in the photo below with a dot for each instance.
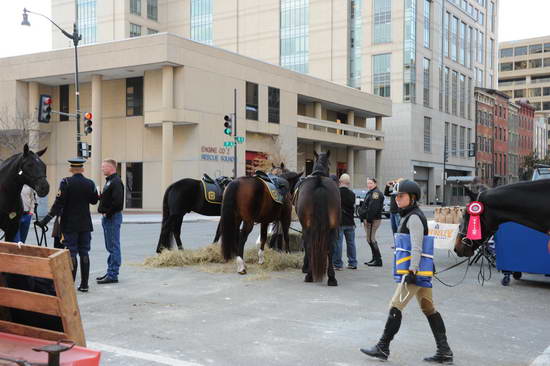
(34, 127)
(167, 126)
(97, 115)
(351, 118)
(317, 147)
(351, 164)
(378, 126)
(377, 166)
(318, 110)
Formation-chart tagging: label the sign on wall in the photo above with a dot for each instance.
(213, 153)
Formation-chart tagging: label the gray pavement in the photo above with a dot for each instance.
(184, 316)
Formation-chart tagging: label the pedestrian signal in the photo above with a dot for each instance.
(45, 108)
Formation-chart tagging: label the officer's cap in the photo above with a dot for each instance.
(77, 162)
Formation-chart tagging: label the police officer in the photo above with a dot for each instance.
(414, 276)
(372, 217)
(72, 204)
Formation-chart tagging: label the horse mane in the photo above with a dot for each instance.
(10, 160)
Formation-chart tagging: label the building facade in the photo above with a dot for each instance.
(485, 108)
(158, 105)
(525, 132)
(541, 137)
(525, 74)
(425, 55)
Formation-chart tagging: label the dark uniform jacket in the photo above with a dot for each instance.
(374, 202)
(388, 192)
(112, 197)
(72, 204)
(347, 199)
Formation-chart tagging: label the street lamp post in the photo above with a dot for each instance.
(75, 37)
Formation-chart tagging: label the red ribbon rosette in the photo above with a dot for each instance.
(475, 209)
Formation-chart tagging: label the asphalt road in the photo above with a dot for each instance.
(186, 316)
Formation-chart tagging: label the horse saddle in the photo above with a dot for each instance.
(213, 188)
(278, 187)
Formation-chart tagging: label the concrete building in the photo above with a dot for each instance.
(541, 137)
(159, 103)
(426, 55)
(525, 73)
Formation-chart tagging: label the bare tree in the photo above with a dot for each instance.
(16, 131)
(277, 155)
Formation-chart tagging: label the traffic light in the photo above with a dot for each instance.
(445, 153)
(44, 108)
(88, 123)
(472, 150)
(228, 125)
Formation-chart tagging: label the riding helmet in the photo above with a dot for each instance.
(409, 186)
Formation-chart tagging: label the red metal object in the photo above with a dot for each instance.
(18, 347)
(48, 101)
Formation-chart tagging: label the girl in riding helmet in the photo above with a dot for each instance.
(414, 277)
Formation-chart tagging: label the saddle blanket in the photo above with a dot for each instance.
(213, 193)
(276, 195)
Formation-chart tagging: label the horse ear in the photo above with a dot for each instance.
(302, 173)
(328, 154)
(26, 149)
(470, 193)
(282, 165)
(316, 155)
(41, 152)
(273, 166)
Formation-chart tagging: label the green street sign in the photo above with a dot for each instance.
(239, 139)
(228, 144)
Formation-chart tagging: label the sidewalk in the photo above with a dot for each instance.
(154, 218)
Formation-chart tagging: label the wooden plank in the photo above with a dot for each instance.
(25, 249)
(68, 304)
(25, 265)
(4, 313)
(31, 301)
(27, 331)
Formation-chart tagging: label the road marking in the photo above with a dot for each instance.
(139, 355)
(543, 359)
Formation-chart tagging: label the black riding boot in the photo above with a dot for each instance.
(382, 349)
(376, 257)
(75, 266)
(443, 354)
(84, 273)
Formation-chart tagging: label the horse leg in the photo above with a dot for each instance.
(285, 226)
(177, 231)
(330, 268)
(305, 268)
(247, 228)
(218, 232)
(263, 239)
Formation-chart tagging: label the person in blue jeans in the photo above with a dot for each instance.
(111, 204)
(347, 227)
(28, 199)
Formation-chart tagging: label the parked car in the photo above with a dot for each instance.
(360, 195)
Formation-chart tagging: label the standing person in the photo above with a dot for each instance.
(28, 197)
(414, 278)
(347, 226)
(72, 204)
(372, 216)
(390, 192)
(111, 204)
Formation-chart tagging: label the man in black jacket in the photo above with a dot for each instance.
(111, 204)
(72, 204)
(347, 226)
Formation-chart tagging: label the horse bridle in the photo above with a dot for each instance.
(21, 173)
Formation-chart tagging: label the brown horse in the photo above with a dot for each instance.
(318, 208)
(246, 201)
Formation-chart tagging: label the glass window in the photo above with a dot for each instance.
(134, 185)
(152, 9)
(135, 7)
(481, 58)
(454, 132)
(294, 35)
(152, 31)
(470, 91)
(426, 82)
(135, 30)
(382, 21)
(454, 35)
(546, 62)
(535, 92)
(273, 104)
(481, 18)
(535, 64)
(520, 65)
(134, 96)
(381, 74)
(546, 91)
(87, 21)
(535, 48)
(440, 88)
(467, 49)
(446, 34)
(409, 54)
(507, 52)
(201, 21)
(64, 101)
(446, 81)
(519, 93)
(546, 106)
(427, 23)
(462, 36)
(506, 66)
(462, 95)
(491, 52)
(462, 141)
(427, 134)
(454, 99)
(491, 16)
(547, 47)
(251, 101)
(520, 51)
(356, 42)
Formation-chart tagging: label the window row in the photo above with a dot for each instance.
(484, 144)
(459, 143)
(525, 64)
(476, 14)
(252, 109)
(152, 8)
(456, 98)
(524, 50)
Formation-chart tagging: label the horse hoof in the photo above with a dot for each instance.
(309, 278)
(304, 270)
(332, 282)
(243, 272)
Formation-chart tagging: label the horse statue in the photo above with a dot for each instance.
(526, 203)
(18, 170)
(317, 204)
(256, 199)
(186, 195)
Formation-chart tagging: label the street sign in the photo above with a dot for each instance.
(239, 139)
(228, 144)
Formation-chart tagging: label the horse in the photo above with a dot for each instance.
(318, 208)
(248, 200)
(180, 198)
(18, 170)
(526, 203)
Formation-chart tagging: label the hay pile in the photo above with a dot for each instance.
(210, 259)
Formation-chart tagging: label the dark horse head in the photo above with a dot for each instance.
(526, 203)
(26, 168)
(321, 166)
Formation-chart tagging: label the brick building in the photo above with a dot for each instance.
(485, 109)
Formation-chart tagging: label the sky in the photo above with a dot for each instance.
(518, 19)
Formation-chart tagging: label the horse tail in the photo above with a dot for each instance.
(228, 224)
(165, 229)
(319, 234)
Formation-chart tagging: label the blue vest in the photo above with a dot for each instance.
(402, 259)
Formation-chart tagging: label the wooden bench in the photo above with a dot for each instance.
(54, 264)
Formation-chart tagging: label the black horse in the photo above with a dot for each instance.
(16, 171)
(180, 198)
(318, 208)
(526, 203)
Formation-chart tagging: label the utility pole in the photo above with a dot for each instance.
(445, 157)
